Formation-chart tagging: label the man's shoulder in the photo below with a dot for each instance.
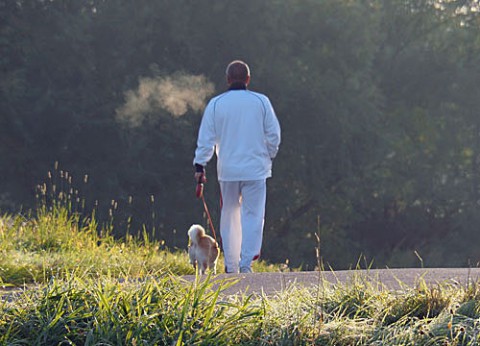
(217, 97)
(262, 97)
(257, 94)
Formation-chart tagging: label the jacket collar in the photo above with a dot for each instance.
(237, 86)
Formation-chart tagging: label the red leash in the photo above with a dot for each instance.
(199, 193)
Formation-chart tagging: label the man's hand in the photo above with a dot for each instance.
(200, 177)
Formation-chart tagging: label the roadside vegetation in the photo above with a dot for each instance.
(58, 243)
(66, 280)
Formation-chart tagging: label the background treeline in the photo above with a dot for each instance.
(378, 101)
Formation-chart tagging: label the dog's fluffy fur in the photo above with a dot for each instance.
(203, 250)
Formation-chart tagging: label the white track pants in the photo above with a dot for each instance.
(241, 222)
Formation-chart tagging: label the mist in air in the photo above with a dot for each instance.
(174, 94)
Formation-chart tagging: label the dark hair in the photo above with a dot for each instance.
(237, 71)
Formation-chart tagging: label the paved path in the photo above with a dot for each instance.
(272, 283)
(392, 279)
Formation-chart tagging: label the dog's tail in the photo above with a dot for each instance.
(195, 233)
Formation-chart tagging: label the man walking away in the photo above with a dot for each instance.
(241, 127)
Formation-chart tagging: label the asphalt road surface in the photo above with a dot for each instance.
(272, 283)
(391, 279)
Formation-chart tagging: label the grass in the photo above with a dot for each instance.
(88, 288)
(165, 311)
(56, 243)
(104, 311)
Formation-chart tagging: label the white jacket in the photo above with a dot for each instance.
(243, 130)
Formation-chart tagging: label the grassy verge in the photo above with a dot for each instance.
(91, 289)
(57, 243)
(166, 311)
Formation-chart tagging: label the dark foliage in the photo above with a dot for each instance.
(378, 103)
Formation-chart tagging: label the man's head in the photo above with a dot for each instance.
(238, 72)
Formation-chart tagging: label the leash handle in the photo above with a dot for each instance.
(201, 179)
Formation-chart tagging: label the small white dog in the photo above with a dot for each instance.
(202, 249)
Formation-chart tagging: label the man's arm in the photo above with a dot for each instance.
(205, 143)
(272, 130)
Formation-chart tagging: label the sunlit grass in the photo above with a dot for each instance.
(163, 310)
(84, 287)
(104, 311)
(56, 242)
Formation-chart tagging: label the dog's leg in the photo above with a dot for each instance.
(204, 267)
(213, 267)
(194, 264)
